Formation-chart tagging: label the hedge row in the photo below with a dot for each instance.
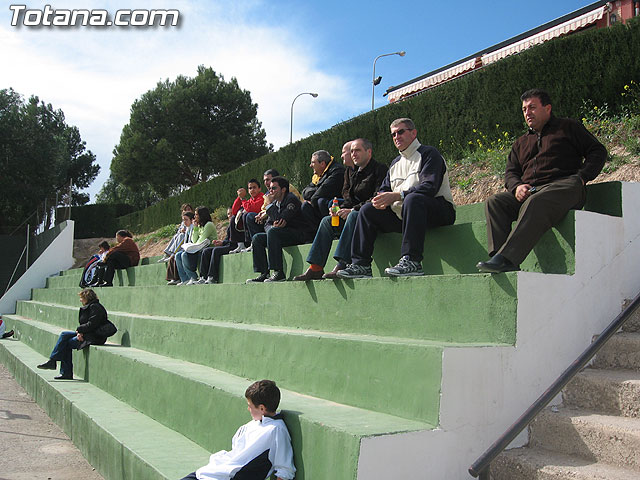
(595, 65)
(92, 221)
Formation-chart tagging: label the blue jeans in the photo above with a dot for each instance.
(67, 341)
(324, 236)
(187, 263)
(273, 241)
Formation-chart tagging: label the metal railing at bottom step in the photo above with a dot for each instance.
(482, 466)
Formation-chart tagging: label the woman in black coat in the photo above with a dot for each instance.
(92, 316)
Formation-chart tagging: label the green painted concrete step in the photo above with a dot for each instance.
(180, 394)
(152, 274)
(341, 367)
(450, 308)
(118, 441)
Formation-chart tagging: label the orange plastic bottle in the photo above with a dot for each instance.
(335, 219)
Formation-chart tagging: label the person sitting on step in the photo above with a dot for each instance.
(414, 196)
(241, 208)
(286, 226)
(91, 317)
(211, 256)
(361, 182)
(260, 448)
(123, 255)
(547, 170)
(173, 278)
(180, 236)
(187, 258)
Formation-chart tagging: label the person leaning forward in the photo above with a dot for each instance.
(414, 196)
(285, 226)
(546, 174)
(361, 182)
(326, 183)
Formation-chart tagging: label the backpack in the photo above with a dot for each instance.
(89, 272)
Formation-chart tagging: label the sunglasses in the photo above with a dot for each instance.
(399, 132)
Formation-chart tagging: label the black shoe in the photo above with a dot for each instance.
(277, 276)
(63, 377)
(7, 334)
(260, 279)
(497, 264)
(50, 365)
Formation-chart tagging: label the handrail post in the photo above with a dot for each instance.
(27, 247)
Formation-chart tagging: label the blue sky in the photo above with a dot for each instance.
(275, 48)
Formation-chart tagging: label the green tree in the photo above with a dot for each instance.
(113, 192)
(187, 131)
(42, 160)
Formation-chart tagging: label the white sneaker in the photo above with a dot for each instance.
(181, 284)
(248, 249)
(191, 281)
(200, 281)
(236, 250)
(210, 281)
(173, 282)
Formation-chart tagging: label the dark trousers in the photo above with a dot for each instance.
(315, 214)
(236, 235)
(251, 227)
(533, 217)
(115, 261)
(273, 241)
(210, 261)
(419, 212)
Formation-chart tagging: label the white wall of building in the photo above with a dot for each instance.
(484, 390)
(58, 256)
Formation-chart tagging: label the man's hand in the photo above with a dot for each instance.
(217, 243)
(343, 213)
(280, 223)
(261, 217)
(80, 337)
(522, 192)
(384, 199)
(242, 193)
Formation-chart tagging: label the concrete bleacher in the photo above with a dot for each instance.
(381, 377)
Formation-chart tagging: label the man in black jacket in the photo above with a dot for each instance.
(546, 173)
(326, 184)
(286, 226)
(361, 182)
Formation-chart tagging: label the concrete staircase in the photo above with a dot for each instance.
(381, 377)
(595, 433)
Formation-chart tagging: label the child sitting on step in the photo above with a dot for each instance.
(259, 448)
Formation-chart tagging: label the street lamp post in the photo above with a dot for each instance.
(314, 95)
(375, 81)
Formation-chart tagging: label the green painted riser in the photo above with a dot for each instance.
(337, 367)
(448, 250)
(189, 393)
(448, 308)
(117, 440)
(153, 274)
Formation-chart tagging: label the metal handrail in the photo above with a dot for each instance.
(480, 468)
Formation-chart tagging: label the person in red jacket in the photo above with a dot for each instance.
(123, 255)
(240, 208)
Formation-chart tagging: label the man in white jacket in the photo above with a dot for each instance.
(414, 196)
